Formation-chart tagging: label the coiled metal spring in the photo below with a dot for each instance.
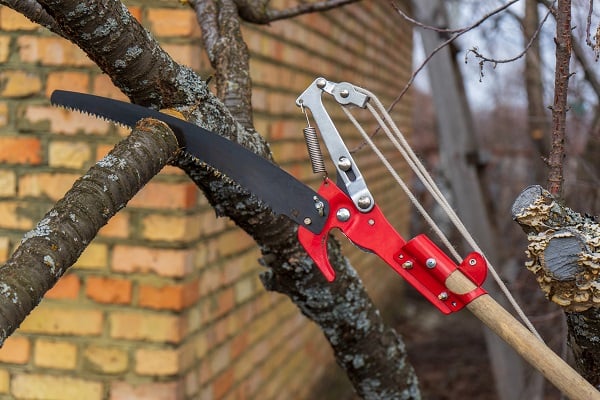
(314, 150)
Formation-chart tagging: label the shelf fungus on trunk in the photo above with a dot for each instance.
(563, 249)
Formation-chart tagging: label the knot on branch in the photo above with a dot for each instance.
(563, 250)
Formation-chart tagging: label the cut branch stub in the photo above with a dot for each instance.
(47, 251)
(563, 249)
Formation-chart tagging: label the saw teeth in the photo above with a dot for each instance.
(91, 114)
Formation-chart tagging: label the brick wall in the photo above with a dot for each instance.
(166, 302)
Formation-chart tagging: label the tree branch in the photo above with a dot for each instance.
(35, 12)
(257, 11)
(47, 251)
(559, 107)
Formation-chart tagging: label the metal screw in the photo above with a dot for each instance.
(443, 296)
(319, 206)
(321, 82)
(364, 202)
(472, 262)
(407, 264)
(344, 93)
(343, 214)
(344, 163)
(307, 221)
(430, 263)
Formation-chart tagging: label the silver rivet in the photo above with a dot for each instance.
(430, 263)
(443, 296)
(371, 222)
(472, 262)
(407, 264)
(307, 221)
(344, 93)
(344, 163)
(321, 82)
(364, 202)
(343, 214)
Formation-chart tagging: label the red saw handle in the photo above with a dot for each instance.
(419, 261)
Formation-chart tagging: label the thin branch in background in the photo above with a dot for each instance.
(306, 8)
(483, 59)
(595, 45)
(455, 36)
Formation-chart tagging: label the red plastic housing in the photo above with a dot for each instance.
(419, 261)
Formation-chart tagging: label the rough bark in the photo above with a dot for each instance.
(47, 251)
(373, 355)
(559, 107)
(564, 255)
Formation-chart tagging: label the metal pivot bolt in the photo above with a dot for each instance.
(344, 93)
(443, 296)
(430, 263)
(319, 206)
(364, 202)
(343, 214)
(321, 82)
(407, 264)
(344, 163)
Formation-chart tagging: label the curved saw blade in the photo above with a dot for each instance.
(283, 193)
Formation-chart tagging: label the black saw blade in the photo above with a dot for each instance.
(283, 193)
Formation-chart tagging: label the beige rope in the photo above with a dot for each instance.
(403, 147)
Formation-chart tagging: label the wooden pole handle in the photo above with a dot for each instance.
(540, 356)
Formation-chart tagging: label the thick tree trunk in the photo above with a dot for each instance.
(564, 254)
(47, 251)
(373, 355)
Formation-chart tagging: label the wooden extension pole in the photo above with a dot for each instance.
(540, 356)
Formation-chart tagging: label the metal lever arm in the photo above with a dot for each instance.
(419, 261)
(348, 172)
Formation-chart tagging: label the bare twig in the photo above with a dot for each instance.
(483, 59)
(256, 11)
(455, 36)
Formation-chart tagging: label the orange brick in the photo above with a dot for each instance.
(104, 87)
(38, 386)
(8, 183)
(51, 51)
(20, 150)
(55, 354)
(16, 350)
(95, 256)
(157, 362)
(3, 113)
(151, 326)
(51, 185)
(11, 20)
(58, 120)
(106, 360)
(69, 154)
(170, 228)
(171, 22)
(67, 287)
(164, 195)
(56, 320)
(108, 290)
(169, 297)
(223, 384)
(117, 227)
(4, 248)
(67, 80)
(165, 262)
(136, 12)
(4, 48)
(11, 216)
(146, 391)
(188, 54)
(18, 83)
